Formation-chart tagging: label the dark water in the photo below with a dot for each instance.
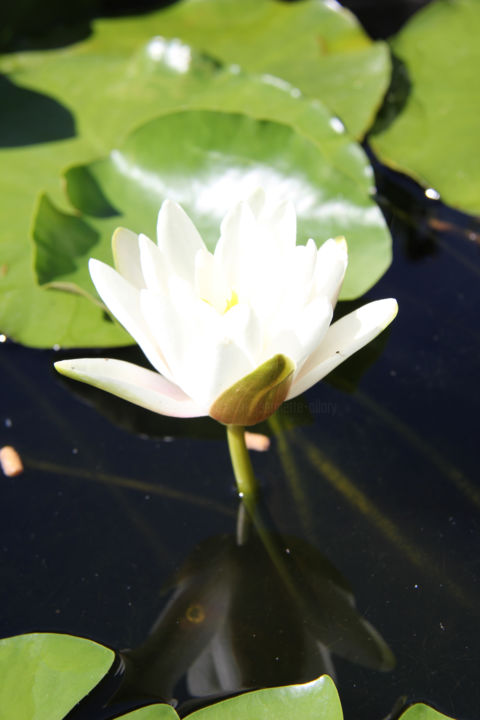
(378, 474)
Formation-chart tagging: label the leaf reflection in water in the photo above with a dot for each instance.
(235, 622)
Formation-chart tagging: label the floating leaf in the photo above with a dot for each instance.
(206, 161)
(419, 711)
(316, 45)
(45, 675)
(71, 93)
(314, 700)
(433, 135)
(28, 313)
(152, 712)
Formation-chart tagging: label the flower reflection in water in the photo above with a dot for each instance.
(239, 620)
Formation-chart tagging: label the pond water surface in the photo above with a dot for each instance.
(371, 483)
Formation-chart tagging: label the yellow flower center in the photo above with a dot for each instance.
(231, 302)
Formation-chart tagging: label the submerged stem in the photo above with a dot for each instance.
(249, 492)
(242, 466)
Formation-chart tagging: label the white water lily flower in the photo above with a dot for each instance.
(233, 333)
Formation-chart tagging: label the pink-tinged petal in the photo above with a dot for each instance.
(123, 301)
(178, 239)
(343, 338)
(131, 382)
(126, 256)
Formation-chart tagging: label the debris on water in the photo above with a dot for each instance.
(257, 441)
(10, 461)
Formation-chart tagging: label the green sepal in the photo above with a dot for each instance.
(256, 396)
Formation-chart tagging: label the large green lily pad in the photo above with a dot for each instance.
(312, 701)
(435, 135)
(152, 712)
(207, 161)
(316, 45)
(420, 711)
(85, 100)
(43, 675)
(29, 313)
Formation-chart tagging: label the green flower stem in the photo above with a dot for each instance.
(242, 467)
(249, 491)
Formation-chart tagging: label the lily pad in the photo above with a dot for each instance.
(28, 313)
(206, 161)
(317, 45)
(314, 700)
(71, 93)
(45, 675)
(434, 135)
(419, 711)
(152, 712)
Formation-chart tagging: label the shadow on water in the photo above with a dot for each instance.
(396, 97)
(417, 217)
(35, 25)
(241, 616)
(52, 120)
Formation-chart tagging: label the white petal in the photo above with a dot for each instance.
(215, 368)
(204, 274)
(210, 284)
(241, 325)
(203, 359)
(330, 269)
(299, 272)
(256, 201)
(133, 383)
(178, 239)
(154, 265)
(312, 326)
(169, 327)
(233, 250)
(284, 342)
(126, 256)
(180, 321)
(343, 338)
(282, 224)
(302, 332)
(123, 301)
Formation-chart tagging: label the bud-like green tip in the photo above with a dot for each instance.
(256, 396)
